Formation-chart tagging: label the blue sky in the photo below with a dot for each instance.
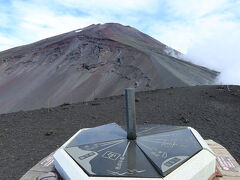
(207, 31)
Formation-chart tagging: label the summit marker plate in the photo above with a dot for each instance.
(157, 151)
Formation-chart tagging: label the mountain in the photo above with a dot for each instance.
(96, 61)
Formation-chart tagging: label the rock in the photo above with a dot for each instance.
(137, 99)
(119, 60)
(95, 103)
(184, 120)
(49, 133)
(234, 94)
(64, 104)
(207, 119)
(93, 117)
(220, 88)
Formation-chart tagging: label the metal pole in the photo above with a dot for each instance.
(130, 113)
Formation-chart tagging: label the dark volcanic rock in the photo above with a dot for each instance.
(97, 61)
(64, 104)
(49, 133)
(185, 120)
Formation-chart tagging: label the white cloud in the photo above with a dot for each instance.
(220, 51)
(36, 22)
(3, 19)
(182, 35)
(196, 8)
(176, 35)
(208, 35)
(7, 42)
(112, 6)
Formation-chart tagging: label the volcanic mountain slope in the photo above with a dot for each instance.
(212, 110)
(96, 61)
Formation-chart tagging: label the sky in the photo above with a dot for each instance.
(206, 31)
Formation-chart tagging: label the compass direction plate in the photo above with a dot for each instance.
(113, 158)
(157, 151)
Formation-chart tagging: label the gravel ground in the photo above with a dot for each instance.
(27, 137)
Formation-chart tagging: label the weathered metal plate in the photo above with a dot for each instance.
(158, 150)
(99, 134)
(113, 158)
(147, 129)
(168, 150)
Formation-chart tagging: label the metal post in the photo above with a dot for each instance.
(130, 113)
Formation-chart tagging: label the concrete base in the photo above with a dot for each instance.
(44, 166)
